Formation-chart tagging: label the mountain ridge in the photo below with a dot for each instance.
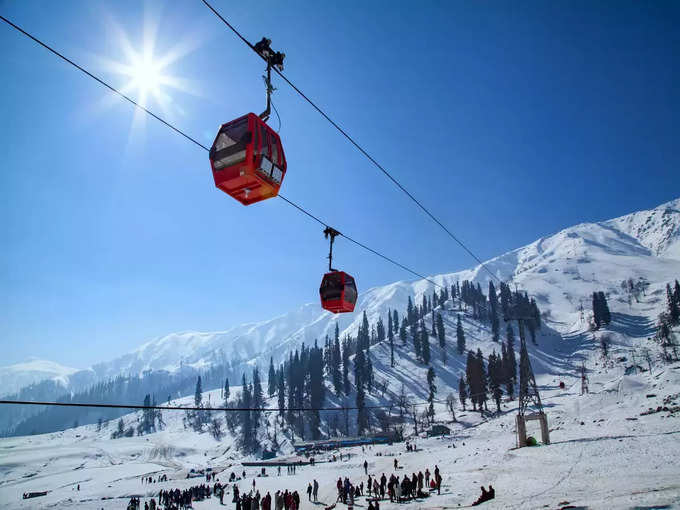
(616, 246)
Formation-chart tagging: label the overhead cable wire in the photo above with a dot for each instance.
(356, 145)
(196, 408)
(360, 244)
(186, 136)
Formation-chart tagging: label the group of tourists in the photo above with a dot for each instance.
(396, 488)
(150, 479)
(252, 500)
(313, 491)
(486, 495)
(183, 498)
(179, 499)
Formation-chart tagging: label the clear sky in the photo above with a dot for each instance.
(510, 120)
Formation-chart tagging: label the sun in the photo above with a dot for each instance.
(146, 78)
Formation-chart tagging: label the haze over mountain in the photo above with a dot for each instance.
(15, 377)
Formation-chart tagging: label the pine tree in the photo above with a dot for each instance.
(395, 322)
(416, 340)
(281, 391)
(147, 416)
(258, 397)
(336, 367)
(495, 379)
(410, 311)
(536, 314)
(506, 370)
(198, 394)
(369, 374)
(472, 376)
(365, 334)
(460, 337)
(493, 311)
(247, 429)
(604, 307)
(512, 360)
(227, 391)
(345, 366)
(597, 311)
(403, 336)
(390, 337)
(380, 330)
(673, 306)
(271, 380)
(425, 346)
(441, 335)
(359, 378)
(316, 390)
(432, 392)
(506, 297)
(462, 391)
(483, 381)
(601, 314)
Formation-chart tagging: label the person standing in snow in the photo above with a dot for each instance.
(315, 492)
(309, 491)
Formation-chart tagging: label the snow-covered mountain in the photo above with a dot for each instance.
(15, 377)
(559, 270)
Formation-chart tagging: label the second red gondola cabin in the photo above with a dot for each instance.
(338, 292)
(247, 160)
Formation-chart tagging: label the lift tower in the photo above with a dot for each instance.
(528, 391)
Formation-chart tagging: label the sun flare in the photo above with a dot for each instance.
(146, 71)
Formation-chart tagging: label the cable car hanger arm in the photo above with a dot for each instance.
(330, 232)
(273, 59)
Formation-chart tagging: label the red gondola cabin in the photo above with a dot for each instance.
(247, 160)
(338, 292)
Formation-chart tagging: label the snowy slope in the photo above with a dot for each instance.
(559, 270)
(607, 450)
(14, 377)
(555, 269)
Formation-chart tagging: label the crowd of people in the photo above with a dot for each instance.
(179, 499)
(150, 479)
(252, 500)
(396, 488)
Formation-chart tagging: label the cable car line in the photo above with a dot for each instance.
(193, 408)
(356, 145)
(360, 244)
(193, 140)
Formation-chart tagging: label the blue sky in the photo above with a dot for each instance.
(510, 120)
